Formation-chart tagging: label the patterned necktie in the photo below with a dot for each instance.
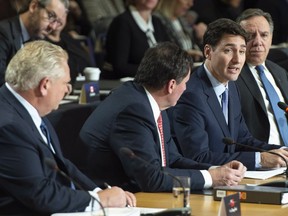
(273, 97)
(160, 127)
(224, 104)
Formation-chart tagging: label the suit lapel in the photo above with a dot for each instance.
(213, 102)
(252, 85)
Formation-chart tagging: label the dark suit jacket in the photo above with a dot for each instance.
(10, 42)
(126, 44)
(27, 185)
(199, 124)
(253, 107)
(125, 119)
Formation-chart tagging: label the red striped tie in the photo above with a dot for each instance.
(160, 127)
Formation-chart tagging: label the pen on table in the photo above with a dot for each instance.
(107, 185)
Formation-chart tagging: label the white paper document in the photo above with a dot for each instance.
(114, 212)
(264, 174)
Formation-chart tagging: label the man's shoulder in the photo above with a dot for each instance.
(10, 28)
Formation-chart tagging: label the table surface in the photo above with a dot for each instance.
(205, 205)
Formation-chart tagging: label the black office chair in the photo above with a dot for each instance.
(68, 121)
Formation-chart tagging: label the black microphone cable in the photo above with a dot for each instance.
(53, 165)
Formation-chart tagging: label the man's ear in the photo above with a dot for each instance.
(33, 6)
(171, 86)
(44, 86)
(207, 51)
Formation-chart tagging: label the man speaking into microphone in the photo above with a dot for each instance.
(210, 108)
(133, 117)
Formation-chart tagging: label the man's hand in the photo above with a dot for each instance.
(116, 197)
(229, 174)
(273, 161)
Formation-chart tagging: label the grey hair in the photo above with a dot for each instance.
(253, 12)
(35, 61)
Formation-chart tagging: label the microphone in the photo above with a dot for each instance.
(229, 141)
(53, 166)
(187, 210)
(283, 106)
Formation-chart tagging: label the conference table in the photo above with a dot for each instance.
(205, 205)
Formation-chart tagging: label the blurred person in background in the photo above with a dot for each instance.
(171, 13)
(210, 10)
(129, 36)
(37, 18)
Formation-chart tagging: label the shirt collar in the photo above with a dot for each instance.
(24, 32)
(140, 21)
(155, 108)
(218, 87)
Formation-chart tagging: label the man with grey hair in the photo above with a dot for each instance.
(37, 78)
(37, 18)
(263, 117)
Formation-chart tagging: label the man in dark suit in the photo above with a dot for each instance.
(203, 116)
(122, 136)
(36, 20)
(256, 106)
(37, 79)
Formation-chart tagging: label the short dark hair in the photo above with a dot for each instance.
(220, 27)
(161, 63)
(253, 12)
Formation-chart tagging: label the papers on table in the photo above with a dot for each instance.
(264, 174)
(115, 212)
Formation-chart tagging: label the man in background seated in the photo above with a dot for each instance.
(36, 20)
(37, 79)
(210, 109)
(258, 109)
(128, 136)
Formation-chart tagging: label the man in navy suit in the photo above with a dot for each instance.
(37, 78)
(200, 120)
(128, 145)
(37, 19)
(256, 107)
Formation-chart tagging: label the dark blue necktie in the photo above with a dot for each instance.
(273, 97)
(224, 103)
(46, 133)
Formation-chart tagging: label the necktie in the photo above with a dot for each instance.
(160, 127)
(46, 133)
(274, 99)
(224, 103)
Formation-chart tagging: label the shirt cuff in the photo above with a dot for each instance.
(207, 178)
(258, 160)
(94, 202)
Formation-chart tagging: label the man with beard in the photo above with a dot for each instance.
(37, 18)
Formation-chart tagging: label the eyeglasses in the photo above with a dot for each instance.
(51, 16)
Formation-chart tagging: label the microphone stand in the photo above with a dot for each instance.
(229, 141)
(52, 165)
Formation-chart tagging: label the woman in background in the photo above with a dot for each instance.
(129, 36)
(171, 13)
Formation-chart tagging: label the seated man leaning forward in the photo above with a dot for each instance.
(123, 138)
(37, 78)
(210, 109)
